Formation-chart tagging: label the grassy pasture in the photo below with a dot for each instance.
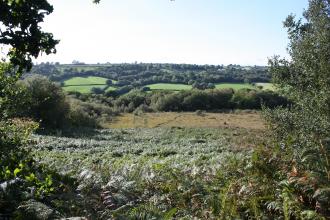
(111, 88)
(85, 84)
(82, 89)
(90, 80)
(235, 86)
(169, 86)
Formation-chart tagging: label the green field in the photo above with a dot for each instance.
(235, 86)
(85, 84)
(169, 86)
(111, 88)
(90, 80)
(82, 89)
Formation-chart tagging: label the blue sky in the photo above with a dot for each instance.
(244, 32)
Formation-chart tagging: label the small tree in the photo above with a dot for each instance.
(306, 78)
(46, 102)
(303, 131)
(109, 82)
(97, 90)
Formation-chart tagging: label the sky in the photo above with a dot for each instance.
(244, 32)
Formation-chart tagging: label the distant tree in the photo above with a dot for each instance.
(210, 86)
(190, 82)
(97, 90)
(200, 85)
(247, 81)
(146, 89)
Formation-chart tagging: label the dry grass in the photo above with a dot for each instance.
(189, 120)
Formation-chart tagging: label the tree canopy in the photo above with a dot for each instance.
(306, 78)
(303, 131)
(19, 28)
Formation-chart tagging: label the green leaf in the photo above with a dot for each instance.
(16, 171)
(169, 214)
(30, 178)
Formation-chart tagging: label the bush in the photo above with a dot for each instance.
(302, 131)
(97, 90)
(46, 102)
(85, 114)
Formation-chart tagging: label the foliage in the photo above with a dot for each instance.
(22, 178)
(192, 100)
(9, 97)
(303, 130)
(19, 28)
(45, 102)
(86, 114)
(25, 185)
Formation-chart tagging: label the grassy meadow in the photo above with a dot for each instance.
(169, 86)
(82, 89)
(235, 86)
(90, 80)
(86, 84)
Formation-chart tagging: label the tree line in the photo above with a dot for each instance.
(141, 74)
(192, 100)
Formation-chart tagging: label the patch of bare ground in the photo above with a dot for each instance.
(189, 120)
(242, 129)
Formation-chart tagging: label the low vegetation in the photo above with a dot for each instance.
(157, 173)
(199, 119)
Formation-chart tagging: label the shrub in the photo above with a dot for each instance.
(97, 90)
(46, 102)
